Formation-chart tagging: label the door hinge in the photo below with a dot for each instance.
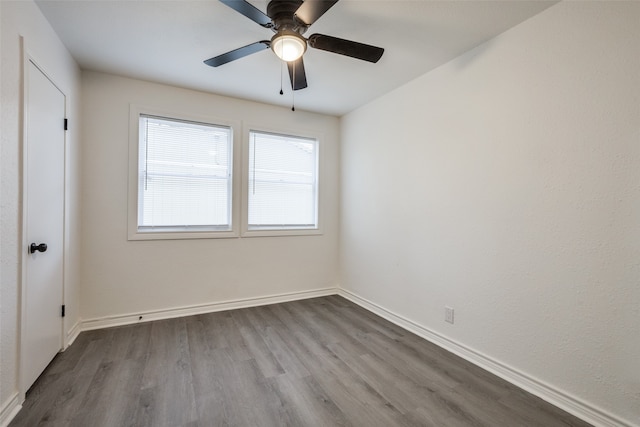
(66, 124)
(62, 310)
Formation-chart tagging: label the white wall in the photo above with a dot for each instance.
(506, 185)
(24, 19)
(121, 277)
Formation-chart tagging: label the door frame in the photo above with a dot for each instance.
(26, 59)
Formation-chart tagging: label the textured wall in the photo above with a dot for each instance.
(506, 185)
(127, 277)
(24, 19)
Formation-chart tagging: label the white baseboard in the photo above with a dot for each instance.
(10, 409)
(573, 405)
(147, 316)
(72, 334)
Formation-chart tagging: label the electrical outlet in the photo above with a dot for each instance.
(448, 314)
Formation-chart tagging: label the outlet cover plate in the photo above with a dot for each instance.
(448, 314)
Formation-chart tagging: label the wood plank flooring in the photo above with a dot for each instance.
(317, 362)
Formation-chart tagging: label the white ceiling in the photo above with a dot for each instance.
(166, 42)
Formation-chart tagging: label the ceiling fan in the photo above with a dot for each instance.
(289, 20)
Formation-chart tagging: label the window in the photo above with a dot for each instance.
(184, 176)
(190, 178)
(282, 182)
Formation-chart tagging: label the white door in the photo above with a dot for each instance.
(44, 223)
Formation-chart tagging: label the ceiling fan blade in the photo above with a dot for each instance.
(346, 47)
(297, 74)
(311, 10)
(241, 52)
(250, 11)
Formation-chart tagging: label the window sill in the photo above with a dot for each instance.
(182, 235)
(273, 232)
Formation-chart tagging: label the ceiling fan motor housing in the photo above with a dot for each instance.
(282, 13)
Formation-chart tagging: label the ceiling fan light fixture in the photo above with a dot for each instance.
(288, 46)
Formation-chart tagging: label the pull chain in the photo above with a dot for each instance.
(293, 89)
(281, 79)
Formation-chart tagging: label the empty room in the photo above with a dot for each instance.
(320, 213)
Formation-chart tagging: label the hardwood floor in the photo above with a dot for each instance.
(317, 362)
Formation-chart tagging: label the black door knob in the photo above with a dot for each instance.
(42, 247)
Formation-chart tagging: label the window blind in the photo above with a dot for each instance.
(184, 179)
(282, 182)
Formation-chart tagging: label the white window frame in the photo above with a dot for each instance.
(273, 231)
(135, 111)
